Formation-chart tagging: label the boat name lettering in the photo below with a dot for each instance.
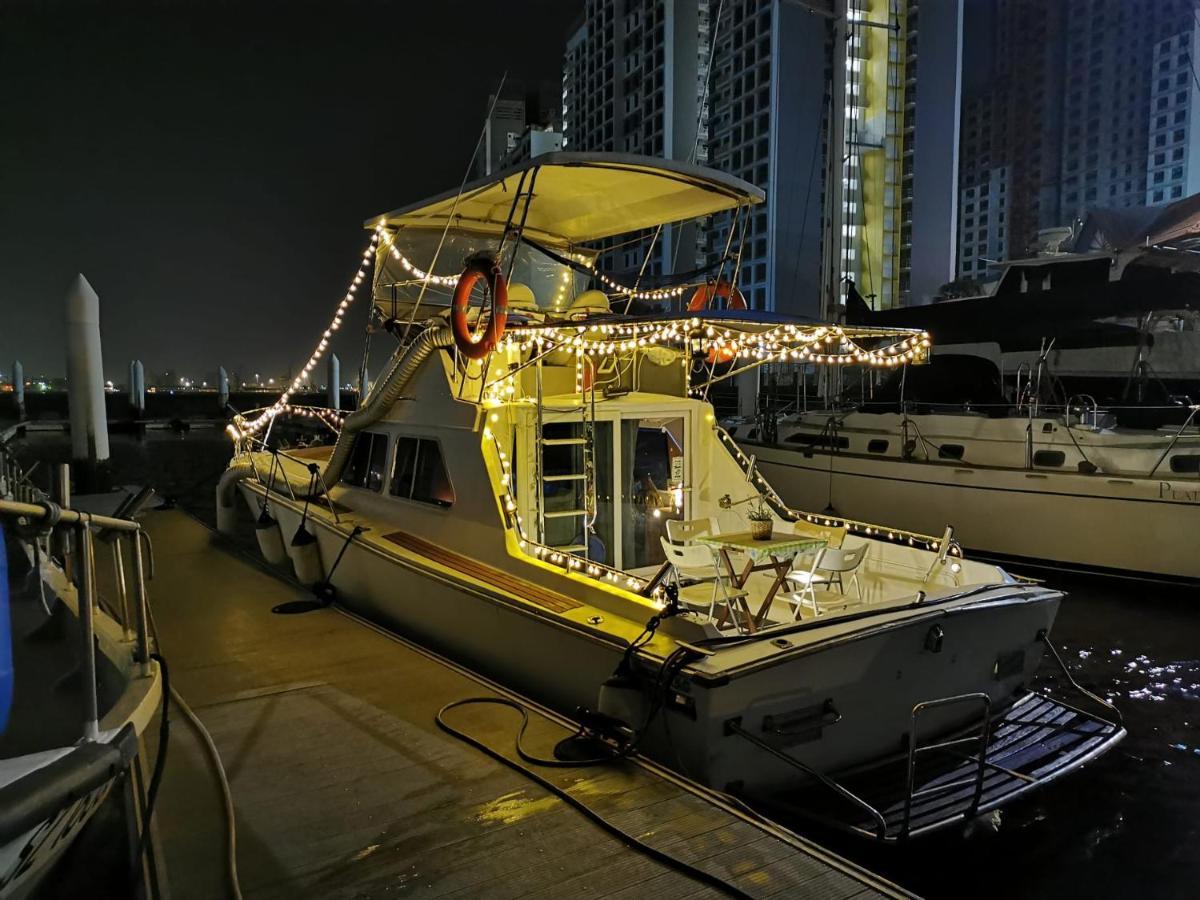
(1168, 491)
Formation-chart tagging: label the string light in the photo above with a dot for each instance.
(252, 426)
(570, 562)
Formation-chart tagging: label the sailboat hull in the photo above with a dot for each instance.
(1111, 522)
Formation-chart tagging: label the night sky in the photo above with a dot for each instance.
(208, 165)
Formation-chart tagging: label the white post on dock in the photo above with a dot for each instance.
(222, 387)
(139, 382)
(85, 381)
(333, 382)
(18, 386)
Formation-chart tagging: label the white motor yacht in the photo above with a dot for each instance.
(539, 488)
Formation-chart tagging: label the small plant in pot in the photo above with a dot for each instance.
(760, 520)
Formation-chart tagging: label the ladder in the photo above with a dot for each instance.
(584, 510)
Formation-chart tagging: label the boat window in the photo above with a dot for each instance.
(419, 472)
(367, 461)
(950, 451)
(821, 440)
(1053, 458)
(378, 462)
(1185, 462)
(877, 446)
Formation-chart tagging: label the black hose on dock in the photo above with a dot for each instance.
(616, 831)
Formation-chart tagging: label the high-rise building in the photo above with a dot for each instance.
(1081, 104)
(900, 183)
(634, 78)
(1173, 145)
(765, 116)
(513, 117)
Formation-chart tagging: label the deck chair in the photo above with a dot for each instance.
(828, 568)
(695, 571)
(684, 531)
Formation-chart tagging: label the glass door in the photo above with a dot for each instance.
(652, 474)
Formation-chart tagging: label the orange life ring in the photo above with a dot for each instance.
(469, 345)
(701, 300)
(704, 294)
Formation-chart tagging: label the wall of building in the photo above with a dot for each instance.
(931, 127)
(1173, 146)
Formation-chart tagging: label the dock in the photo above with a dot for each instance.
(344, 786)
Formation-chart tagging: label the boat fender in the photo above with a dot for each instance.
(478, 346)
(306, 557)
(270, 538)
(701, 300)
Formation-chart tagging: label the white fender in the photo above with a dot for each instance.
(306, 556)
(270, 539)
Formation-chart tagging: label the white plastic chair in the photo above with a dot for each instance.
(828, 567)
(684, 531)
(698, 564)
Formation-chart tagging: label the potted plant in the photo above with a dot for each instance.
(760, 520)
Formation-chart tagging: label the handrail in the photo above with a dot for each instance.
(1174, 440)
(39, 512)
(52, 516)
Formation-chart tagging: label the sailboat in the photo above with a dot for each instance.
(538, 487)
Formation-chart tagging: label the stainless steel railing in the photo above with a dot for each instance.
(28, 507)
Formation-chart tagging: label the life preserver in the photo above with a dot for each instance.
(469, 345)
(733, 300)
(704, 294)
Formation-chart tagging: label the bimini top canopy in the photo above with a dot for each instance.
(580, 197)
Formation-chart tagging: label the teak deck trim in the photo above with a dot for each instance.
(497, 578)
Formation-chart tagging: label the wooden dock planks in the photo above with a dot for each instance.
(344, 787)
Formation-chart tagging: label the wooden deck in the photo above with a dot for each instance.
(345, 787)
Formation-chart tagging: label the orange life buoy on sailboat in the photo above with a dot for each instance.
(701, 300)
(470, 345)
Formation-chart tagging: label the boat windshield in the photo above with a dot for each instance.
(538, 282)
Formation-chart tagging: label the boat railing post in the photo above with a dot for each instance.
(87, 622)
(61, 537)
(141, 613)
(122, 588)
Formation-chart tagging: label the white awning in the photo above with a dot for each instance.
(580, 197)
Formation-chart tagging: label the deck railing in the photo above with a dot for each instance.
(70, 535)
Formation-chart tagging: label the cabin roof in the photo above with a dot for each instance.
(581, 197)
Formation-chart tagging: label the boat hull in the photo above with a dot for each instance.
(872, 671)
(1137, 525)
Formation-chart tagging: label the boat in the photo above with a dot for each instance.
(943, 444)
(1113, 312)
(508, 491)
(78, 686)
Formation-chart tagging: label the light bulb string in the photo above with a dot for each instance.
(252, 426)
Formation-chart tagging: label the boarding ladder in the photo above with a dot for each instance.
(584, 478)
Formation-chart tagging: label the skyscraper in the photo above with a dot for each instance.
(765, 115)
(1082, 104)
(634, 75)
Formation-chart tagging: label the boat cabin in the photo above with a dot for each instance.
(576, 439)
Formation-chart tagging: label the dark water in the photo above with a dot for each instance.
(1126, 825)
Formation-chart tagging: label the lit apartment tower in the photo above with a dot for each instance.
(630, 65)
(1071, 112)
(633, 81)
(770, 123)
(1173, 148)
